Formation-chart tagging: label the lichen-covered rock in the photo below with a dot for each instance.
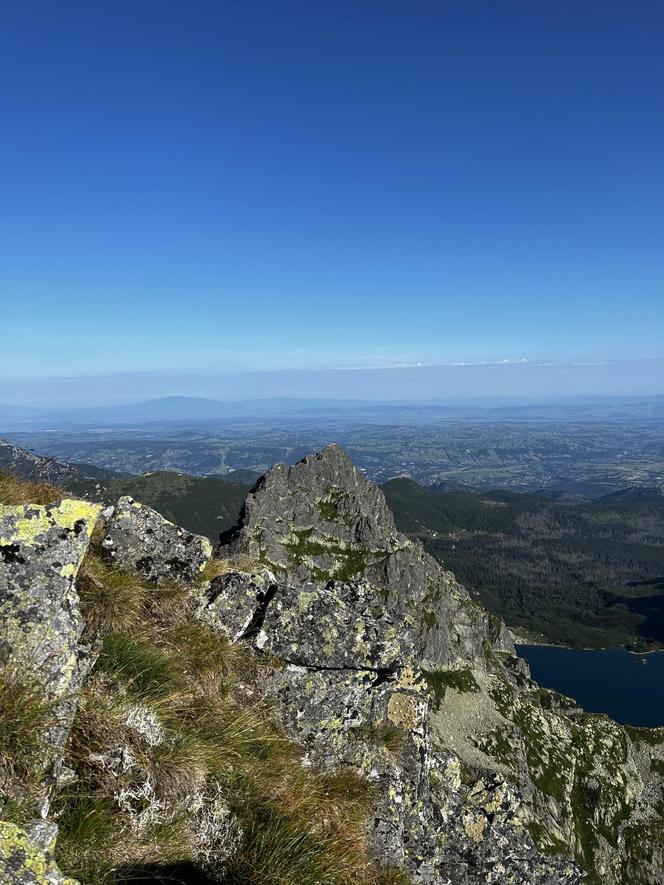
(234, 603)
(41, 549)
(483, 776)
(141, 541)
(425, 819)
(335, 625)
(26, 860)
(350, 694)
(589, 787)
(321, 519)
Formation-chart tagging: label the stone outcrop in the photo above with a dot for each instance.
(338, 625)
(390, 668)
(350, 693)
(323, 520)
(26, 857)
(41, 548)
(141, 541)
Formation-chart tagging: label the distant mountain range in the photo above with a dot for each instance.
(176, 409)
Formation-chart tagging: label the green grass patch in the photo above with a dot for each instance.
(439, 681)
(147, 668)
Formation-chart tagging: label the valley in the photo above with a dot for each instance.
(570, 450)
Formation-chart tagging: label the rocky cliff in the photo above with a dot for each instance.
(385, 679)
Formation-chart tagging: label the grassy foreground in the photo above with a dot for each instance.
(168, 725)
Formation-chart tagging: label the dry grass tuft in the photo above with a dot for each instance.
(25, 718)
(216, 567)
(111, 600)
(14, 490)
(300, 826)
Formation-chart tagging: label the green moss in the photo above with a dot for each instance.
(552, 782)
(499, 745)
(328, 510)
(351, 561)
(430, 619)
(583, 801)
(354, 563)
(459, 680)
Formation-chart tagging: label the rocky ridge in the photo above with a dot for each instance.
(379, 664)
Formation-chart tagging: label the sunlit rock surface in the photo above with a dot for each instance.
(141, 541)
(41, 549)
(26, 857)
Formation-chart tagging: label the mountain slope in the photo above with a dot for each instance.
(564, 571)
(581, 785)
(39, 469)
(205, 505)
(405, 742)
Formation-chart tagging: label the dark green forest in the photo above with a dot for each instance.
(580, 574)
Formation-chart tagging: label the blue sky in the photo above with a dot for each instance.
(250, 185)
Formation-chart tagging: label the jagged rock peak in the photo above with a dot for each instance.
(322, 520)
(323, 497)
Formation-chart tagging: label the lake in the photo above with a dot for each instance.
(628, 687)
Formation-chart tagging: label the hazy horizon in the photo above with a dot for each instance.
(406, 383)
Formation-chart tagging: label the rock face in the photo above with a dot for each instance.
(340, 625)
(141, 541)
(350, 693)
(389, 668)
(26, 858)
(323, 520)
(41, 548)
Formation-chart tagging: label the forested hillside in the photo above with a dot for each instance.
(583, 574)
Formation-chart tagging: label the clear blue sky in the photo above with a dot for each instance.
(251, 184)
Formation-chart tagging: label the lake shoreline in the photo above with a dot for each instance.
(606, 681)
(520, 640)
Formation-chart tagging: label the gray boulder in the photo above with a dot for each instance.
(41, 549)
(141, 541)
(26, 857)
(337, 625)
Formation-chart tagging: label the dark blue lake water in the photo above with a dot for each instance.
(630, 688)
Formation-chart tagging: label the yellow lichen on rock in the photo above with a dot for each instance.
(33, 521)
(24, 863)
(403, 710)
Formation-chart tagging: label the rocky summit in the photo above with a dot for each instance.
(379, 668)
